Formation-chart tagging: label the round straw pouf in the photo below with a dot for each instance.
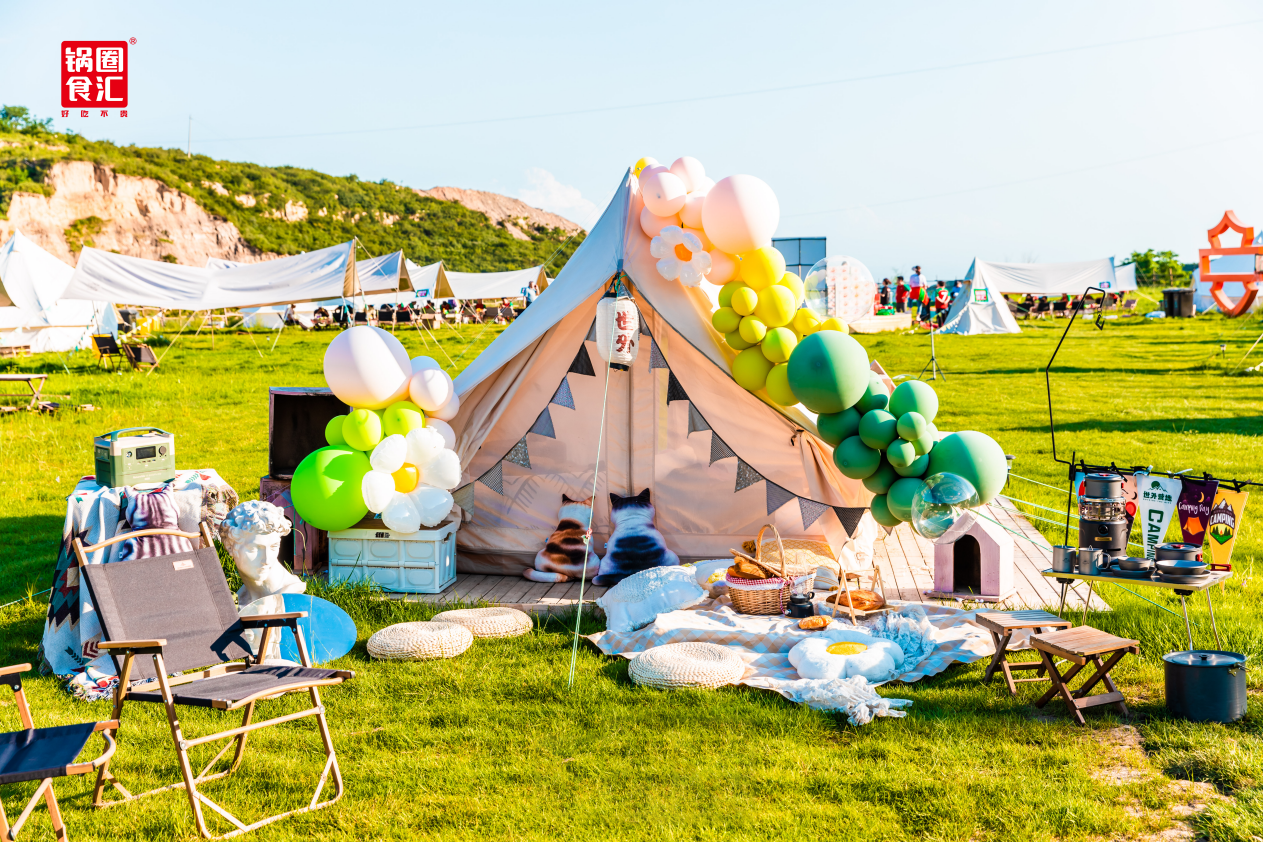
(687, 665)
(419, 641)
(489, 622)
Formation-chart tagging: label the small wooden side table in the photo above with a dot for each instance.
(1083, 645)
(1002, 624)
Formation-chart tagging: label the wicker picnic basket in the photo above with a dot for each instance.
(771, 595)
(799, 552)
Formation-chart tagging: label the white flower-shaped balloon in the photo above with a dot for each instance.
(681, 255)
(410, 480)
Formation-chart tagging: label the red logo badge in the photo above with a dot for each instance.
(94, 74)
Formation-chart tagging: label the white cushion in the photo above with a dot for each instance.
(634, 602)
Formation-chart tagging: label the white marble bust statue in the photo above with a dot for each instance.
(252, 534)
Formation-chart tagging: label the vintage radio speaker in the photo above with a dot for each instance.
(134, 459)
(297, 417)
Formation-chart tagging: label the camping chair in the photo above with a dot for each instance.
(177, 610)
(41, 754)
(1129, 306)
(140, 356)
(107, 347)
(1042, 307)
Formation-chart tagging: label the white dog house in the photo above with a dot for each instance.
(973, 560)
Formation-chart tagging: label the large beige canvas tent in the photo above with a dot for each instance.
(719, 462)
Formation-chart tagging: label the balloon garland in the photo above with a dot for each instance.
(393, 453)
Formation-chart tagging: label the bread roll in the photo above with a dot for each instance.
(861, 600)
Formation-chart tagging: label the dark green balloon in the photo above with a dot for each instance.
(875, 396)
(912, 425)
(828, 371)
(856, 459)
(901, 453)
(881, 511)
(877, 429)
(899, 498)
(976, 457)
(836, 426)
(924, 444)
(879, 481)
(916, 468)
(914, 396)
(327, 487)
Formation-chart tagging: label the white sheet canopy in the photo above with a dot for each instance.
(468, 286)
(1050, 278)
(32, 310)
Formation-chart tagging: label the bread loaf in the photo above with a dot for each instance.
(813, 623)
(860, 600)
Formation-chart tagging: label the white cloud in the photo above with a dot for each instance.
(543, 190)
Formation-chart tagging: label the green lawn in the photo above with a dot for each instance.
(493, 745)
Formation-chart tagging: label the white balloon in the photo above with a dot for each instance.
(658, 247)
(669, 267)
(378, 489)
(390, 454)
(691, 213)
(430, 388)
(442, 471)
(672, 235)
(701, 259)
(424, 444)
(432, 504)
(663, 193)
(707, 245)
(690, 171)
(690, 275)
(401, 514)
(691, 241)
(447, 411)
(424, 364)
(443, 428)
(367, 367)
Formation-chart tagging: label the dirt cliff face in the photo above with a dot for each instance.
(139, 217)
(512, 214)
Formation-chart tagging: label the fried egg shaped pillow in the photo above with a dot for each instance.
(845, 653)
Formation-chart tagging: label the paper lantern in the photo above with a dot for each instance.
(617, 331)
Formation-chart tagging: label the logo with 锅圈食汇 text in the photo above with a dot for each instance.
(94, 76)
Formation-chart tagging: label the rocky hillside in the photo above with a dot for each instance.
(66, 192)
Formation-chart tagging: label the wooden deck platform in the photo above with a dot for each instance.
(906, 561)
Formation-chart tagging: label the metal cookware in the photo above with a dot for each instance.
(1065, 559)
(1178, 551)
(1092, 561)
(1134, 564)
(1205, 685)
(1181, 567)
(1189, 579)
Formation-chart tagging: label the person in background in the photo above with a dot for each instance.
(917, 281)
(957, 289)
(531, 293)
(884, 300)
(922, 305)
(942, 302)
(901, 294)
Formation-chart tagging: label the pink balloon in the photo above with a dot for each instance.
(430, 389)
(707, 245)
(740, 214)
(690, 171)
(651, 169)
(653, 225)
(691, 213)
(722, 267)
(663, 192)
(367, 367)
(447, 411)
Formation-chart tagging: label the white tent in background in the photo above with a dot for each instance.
(1051, 278)
(978, 309)
(1126, 276)
(430, 281)
(719, 462)
(468, 286)
(31, 284)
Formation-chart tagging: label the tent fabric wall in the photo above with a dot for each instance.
(1049, 278)
(650, 440)
(34, 314)
(468, 286)
(979, 309)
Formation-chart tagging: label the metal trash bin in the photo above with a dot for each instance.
(1178, 302)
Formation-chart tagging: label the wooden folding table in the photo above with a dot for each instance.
(35, 381)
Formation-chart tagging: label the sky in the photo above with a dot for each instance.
(910, 133)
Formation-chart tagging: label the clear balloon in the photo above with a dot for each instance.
(940, 501)
(840, 286)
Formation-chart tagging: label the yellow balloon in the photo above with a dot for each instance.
(776, 306)
(726, 291)
(744, 301)
(762, 267)
(805, 321)
(833, 323)
(725, 320)
(642, 163)
(778, 385)
(750, 369)
(795, 285)
(752, 330)
(778, 344)
(735, 341)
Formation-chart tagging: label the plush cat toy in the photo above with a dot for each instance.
(635, 544)
(564, 556)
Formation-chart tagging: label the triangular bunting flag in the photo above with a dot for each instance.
(675, 392)
(494, 478)
(563, 397)
(543, 425)
(719, 449)
(776, 497)
(464, 497)
(746, 476)
(696, 421)
(849, 517)
(656, 360)
(810, 510)
(582, 363)
(519, 454)
(591, 337)
(644, 326)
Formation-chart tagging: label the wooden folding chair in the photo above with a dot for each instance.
(41, 754)
(140, 356)
(177, 610)
(1083, 645)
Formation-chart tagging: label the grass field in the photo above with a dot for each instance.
(493, 745)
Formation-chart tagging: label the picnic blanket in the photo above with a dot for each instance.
(931, 636)
(94, 513)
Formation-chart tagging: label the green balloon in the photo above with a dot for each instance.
(924, 444)
(900, 497)
(875, 396)
(836, 426)
(362, 429)
(735, 341)
(912, 425)
(880, 481)
(976, 457)
(401, 418)
(326, 487)
(333, 430)
(881, 511)
(901, 453)
(828, 371)
(916, 468)
(877, 429)
(914, 396)
(856, 459)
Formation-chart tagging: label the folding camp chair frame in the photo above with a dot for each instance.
(189, 781)
(11, 676)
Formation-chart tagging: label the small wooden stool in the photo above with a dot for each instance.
(1002, 624)
(1081, 645)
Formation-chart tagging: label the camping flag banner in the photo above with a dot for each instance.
(1155, 507)
(1225, 521)
(1130, 501)
(1195, 501)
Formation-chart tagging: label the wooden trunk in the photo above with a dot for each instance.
(306, 548)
